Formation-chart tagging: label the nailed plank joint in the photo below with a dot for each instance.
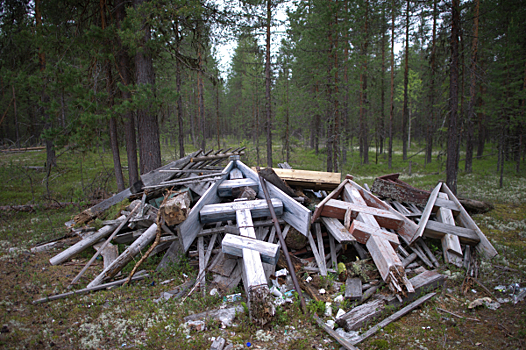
(227, 211)
(427, 212)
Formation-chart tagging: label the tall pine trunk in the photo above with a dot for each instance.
(405, 115)
(391, 107)
(472, 92)
(452, 141)
(148, 126)
(431, 123)
(267, 87)
(129, 121)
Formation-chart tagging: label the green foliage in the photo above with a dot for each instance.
(317, 307)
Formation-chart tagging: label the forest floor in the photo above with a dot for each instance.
(127, 317)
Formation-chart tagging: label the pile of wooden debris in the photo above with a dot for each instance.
(237, 224)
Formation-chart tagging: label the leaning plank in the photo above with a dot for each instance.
(123, 259)
(83, 244)
(450, 243)
(337, 230)
(427, 212)
(435, 229)
(101, 207)
(321, 246)
(394, 317)
(319, 262)
(227, 211)
(138, 276)
(189, 229)
(234, 245)
(484, 247)
(333, 195)
(336, 209)
(294, 213)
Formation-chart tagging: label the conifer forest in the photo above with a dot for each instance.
(332, 76)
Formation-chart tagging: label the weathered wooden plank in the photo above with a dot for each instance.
(428, 252)
(343, 342)
(408, 228)
(426, 213)
(361, 232)
(234, 245)
(394, 317)
(227, 186)
(336, 209)
(227, 283)
(435, 229)
(337, 230)
(236, 174)
(201, 251)
(294, 213)
(188, 230)
(445, 203)
(333, 195)
(321, 247)
(227, 211)
(123, 259)
(484, 247)
(334, 259)
(361, 315)
(83, 244)
(450, 243)
(316, 180)
(223, 265)
(317, 257)
(353, 289)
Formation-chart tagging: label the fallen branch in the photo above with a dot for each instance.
(458, 316)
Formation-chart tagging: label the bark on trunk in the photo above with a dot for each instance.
(406, 83)
(148, 126)
(267, 88)
(472, 93)
(129, 122)
(452, 142)
(391, 109)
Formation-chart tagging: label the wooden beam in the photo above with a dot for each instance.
(353, 289)
(321, 247)
(333, 195)
(361, 232)
(316, 180)
(234, 245)
(484, 247)
(336, 209)
(227, 186)
(317, 256)
(337, 230)
(188, 230)
(294, 213)
(408, 228)
(427, 212)
(435, 229)
(227, 211)
(450, 243)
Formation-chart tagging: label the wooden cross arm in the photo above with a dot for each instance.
(362, 232)
(234, 245)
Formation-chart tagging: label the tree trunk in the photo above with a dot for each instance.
(431, 122)
(391, 109)
(267, 88)
(179, 94)
(336, 128)
(452, 141)
(472, 92)
(364, 142)
(406, 83)
(148, 126)
(201, 100)
(51, 158)
(129, 122)
(380, 126)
